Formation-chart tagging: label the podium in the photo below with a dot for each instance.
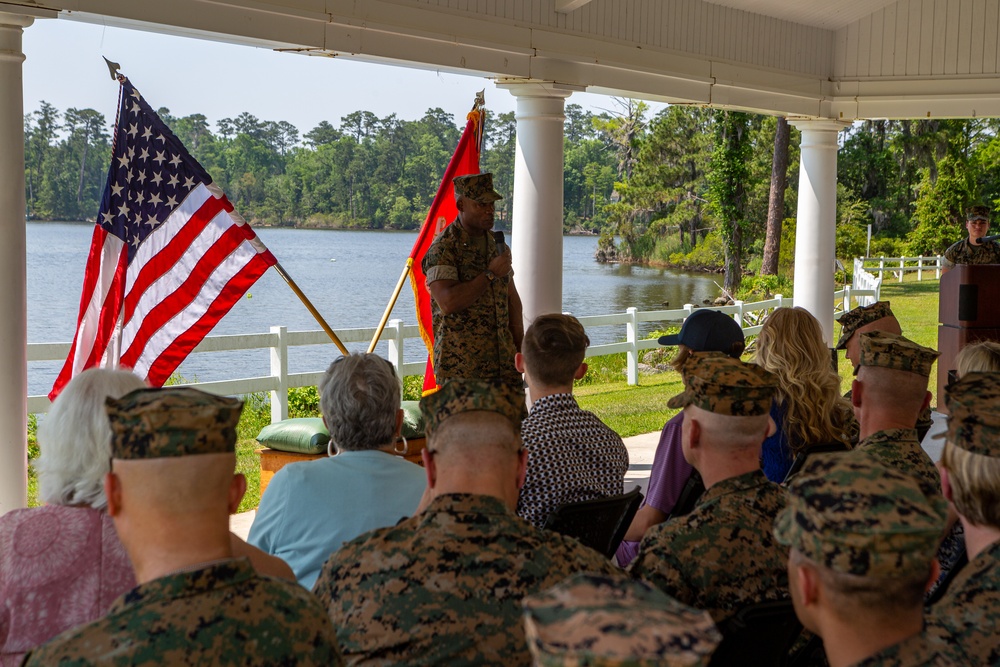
(968, 311)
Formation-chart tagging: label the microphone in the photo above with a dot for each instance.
(501, 244)
(994, 237)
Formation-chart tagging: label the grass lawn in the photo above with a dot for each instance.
(628, 410)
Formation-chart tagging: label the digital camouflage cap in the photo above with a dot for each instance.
(602, 621)
(855, 516)
(478, 187)
(978, 213)
(718, 383)
(459, 395)
(974, 413)
(176, 421)
(887, 350)
(859, 317)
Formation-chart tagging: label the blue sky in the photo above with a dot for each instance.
(63, 66)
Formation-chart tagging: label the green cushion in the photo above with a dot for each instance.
(305, 435)
(413, 420)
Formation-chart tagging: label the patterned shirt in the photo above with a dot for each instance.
(476, 342)
(970, 608)
(964, 252)
(444, 587)
(722, 556)
(221, 614)
(926, 649)
(572, 456)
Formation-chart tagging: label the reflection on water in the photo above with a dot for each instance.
(349, 277)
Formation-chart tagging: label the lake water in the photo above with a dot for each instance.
(348, 275)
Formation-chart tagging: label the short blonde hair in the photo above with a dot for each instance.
(980, 357)
(975, 484)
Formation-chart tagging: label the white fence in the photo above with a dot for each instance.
(279, 380)
(900, 265)
(865, 280)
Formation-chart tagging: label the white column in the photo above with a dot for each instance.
(815, 227)
(13, 296)
(537, 233)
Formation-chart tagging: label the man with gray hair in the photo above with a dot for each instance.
(312, 507)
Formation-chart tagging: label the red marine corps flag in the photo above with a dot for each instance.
(442, 212)
(168, 259)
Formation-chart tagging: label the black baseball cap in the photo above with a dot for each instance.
(707, 331)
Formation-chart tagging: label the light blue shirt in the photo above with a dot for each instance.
(311, 508)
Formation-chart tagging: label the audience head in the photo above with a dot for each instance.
(553, 350)
(173, 455)
(979, 357)
(726, 404)
(75, 439)
(875, 317)
(970, 461)
(892, 375)
(706, 330)
(360, 398)
(592, 619)
(863, 541)
(792, 346)
(474, 438)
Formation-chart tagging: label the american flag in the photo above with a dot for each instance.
(168, 259)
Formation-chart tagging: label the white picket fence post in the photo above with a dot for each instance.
(937, 267)
(632, 337)
(396, 345)
(279, 371)
(920, 268)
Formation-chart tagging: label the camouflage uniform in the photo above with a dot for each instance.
(862, 316)
(963, 252)
(475, 342)
(721, 556)
(221, 614)
(899, 448)
(864, 519)
(970, 609)
(611, 621)
(445, 586)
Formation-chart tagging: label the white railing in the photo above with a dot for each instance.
(900, 265)
(866, 280)
(748, 315)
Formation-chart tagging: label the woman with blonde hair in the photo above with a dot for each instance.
(979, 357)
(808, 408)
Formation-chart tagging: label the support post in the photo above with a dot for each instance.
(13, 272)
(396, 345)
(632, 336)
(279, 370)
(817, 218)
(537, 233)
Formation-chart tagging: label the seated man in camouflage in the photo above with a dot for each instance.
(863, 319)
(862, 539)
(888, 393)
(445, 586)
(596, 620)
(170, 492)
(969, 250)
(970, 480)
(722, 556)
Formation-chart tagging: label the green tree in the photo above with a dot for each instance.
(727, 180)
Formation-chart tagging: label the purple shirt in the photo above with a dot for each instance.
(666, 480)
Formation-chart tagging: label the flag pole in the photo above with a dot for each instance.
(311, 308)
(478, 105)
(390, 305)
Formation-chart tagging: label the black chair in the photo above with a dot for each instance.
(693, 488)
(600, 523)
(941, 587)
(822, 448)
(761, 634)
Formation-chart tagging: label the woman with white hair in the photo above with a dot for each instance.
(62, 564)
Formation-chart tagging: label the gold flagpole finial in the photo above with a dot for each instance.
(113, 68)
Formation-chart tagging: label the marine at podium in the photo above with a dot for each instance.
(974, 249)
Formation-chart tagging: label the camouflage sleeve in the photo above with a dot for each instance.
(948, 261)
(440, 262)
(659, 568)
